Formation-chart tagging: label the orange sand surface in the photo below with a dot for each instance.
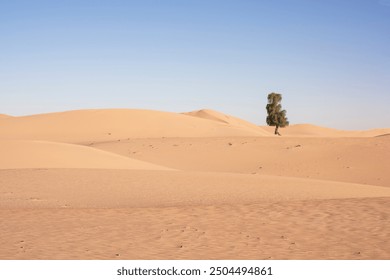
(143, 184)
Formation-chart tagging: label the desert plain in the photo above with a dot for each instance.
(143, 184)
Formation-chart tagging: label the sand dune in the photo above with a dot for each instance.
(220, 117)
(116, 124)
(40, 154)
(305, 130)
(354, 160)
(131, 184)
(2, 116)
(371, 132)
(144, 214)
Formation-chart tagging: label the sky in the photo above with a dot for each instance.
(330, 59)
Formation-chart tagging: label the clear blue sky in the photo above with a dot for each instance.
(329, 59)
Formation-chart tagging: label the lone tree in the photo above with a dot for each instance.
(276, 116)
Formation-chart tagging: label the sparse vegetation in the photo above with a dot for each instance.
(276, 116)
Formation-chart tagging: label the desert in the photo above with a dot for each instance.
(148, 184)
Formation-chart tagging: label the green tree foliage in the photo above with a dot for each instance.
(276, 116)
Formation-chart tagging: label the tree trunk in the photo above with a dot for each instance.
(277, 130)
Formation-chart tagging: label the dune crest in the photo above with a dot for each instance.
(223, 118)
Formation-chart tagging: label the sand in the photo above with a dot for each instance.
(142, 184)
(108, 125)
(21, 154)
(305, 130)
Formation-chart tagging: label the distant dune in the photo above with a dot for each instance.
(384, 135)
(107, 125)
(220, 117)
(4, 116)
